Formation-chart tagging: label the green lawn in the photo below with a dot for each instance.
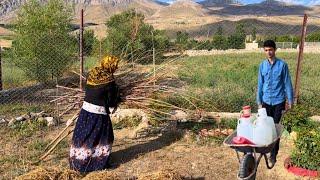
(225, 82)
(13, 76)
(228, 82)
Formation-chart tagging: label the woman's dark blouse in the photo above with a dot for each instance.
(103, 95)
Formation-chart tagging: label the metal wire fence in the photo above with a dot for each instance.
(32, 71)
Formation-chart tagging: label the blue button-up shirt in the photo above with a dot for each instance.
(274, 83)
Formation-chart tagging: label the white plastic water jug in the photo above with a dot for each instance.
(245, 128)
(262, 113)
(262, 130)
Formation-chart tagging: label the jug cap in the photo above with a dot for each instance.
(246, 111)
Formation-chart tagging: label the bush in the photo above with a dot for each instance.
(219, 42)
(298, 116)
(133, 39)
(306, 153)
(182, 41)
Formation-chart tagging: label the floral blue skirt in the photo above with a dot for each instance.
(91, 142)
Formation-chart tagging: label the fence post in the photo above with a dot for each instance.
(153, 61)
(154, 66)
(81, 49)
(100, 49)
(1, 86)
(300, 58)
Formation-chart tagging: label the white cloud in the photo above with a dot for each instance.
(303, 2)
(313, 2)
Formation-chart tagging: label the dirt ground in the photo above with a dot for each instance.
(172, 150)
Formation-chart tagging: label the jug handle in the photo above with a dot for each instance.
(241, 113)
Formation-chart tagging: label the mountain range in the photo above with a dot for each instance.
(183, 14)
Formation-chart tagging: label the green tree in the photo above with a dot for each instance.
(219, 31)
(43, 47)
(204, 45)
(254, 33)
(240, 31)
(131, 38)
(88, 41)
(192, 44)
(313, 37)
(218, 40)
(182, 40)
(237, 40)
(100, 47)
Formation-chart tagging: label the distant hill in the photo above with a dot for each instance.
(182, 8)
(199, 18)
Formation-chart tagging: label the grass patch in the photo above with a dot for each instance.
(13, 110)
(128, 122)
(228, 82)
(89, 62)
(14, 76)
(28, 128)
(37, 145)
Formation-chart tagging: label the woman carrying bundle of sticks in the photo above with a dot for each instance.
(93, 135)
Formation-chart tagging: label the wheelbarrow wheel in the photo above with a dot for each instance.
(247, 167)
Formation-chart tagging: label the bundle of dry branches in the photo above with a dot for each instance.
(138, 84)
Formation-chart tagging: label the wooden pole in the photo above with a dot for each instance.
(300, 58)
(81, 49)
(1, 86)
(153, 60)
(100, 49)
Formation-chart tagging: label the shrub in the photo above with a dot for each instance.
(306, 153)
(296, 117)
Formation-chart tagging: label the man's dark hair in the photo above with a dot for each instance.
(269, 43)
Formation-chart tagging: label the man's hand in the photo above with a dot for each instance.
(288, 107)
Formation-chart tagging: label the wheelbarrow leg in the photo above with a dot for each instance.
(267, 162)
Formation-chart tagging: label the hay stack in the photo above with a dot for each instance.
(42, 173)
(161, 175)
(102, 175)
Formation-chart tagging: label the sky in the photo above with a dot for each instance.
(300, 2)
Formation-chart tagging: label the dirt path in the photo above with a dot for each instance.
(133, 157)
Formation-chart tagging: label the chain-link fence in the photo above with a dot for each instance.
(39, 60)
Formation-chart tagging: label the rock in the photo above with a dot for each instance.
(141, 127)
(2, 121)
(20, 118)
(12, 121)
(41, 120)
(124, 113)
(179, 115)
(36, 115)
(50, 121)
(230, 131)
(26, 116)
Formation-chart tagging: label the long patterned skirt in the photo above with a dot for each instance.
(91, 142)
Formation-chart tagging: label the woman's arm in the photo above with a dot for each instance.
(112, 95)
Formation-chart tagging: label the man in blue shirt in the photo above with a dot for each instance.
(274, 87)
